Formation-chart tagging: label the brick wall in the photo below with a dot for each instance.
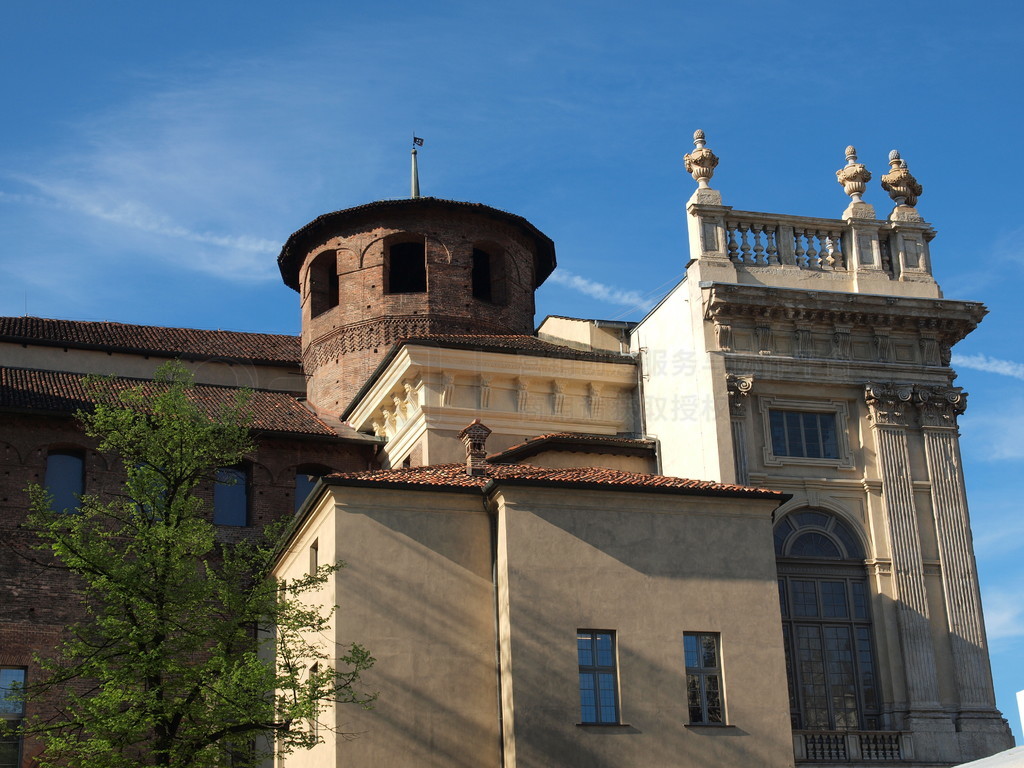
(38, 602)
(342, 346)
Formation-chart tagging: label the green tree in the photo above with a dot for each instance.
(174, 665)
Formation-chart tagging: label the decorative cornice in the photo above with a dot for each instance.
(949, 319)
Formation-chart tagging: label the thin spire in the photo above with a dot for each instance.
(416, 142)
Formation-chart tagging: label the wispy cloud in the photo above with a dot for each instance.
(994, 431)
(134, 215)
(989, 365)
(600, 291)
(1004, 612)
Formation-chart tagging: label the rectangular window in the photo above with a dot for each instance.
(599, 694)
(12, 709)
(231, 497)
(65, 479)
(314, 724)
(704, 678)
(803, 434)
(314, 556)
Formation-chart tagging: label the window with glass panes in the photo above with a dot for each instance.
(599, 696)
(704, 678)
(12, 710)
(803, 434)
(826, 624)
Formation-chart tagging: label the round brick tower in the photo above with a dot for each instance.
(397, 269)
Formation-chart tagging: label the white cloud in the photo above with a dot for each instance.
(600, 291)
(989, 365)
(1004, 611)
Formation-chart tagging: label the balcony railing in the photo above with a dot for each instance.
(852, 746)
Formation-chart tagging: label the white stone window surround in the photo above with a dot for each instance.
(839, 408)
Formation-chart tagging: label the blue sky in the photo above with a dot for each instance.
(154, 157)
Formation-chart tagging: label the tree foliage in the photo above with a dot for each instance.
(174, 664)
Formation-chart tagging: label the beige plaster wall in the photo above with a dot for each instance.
(649, 567)
(418, 594)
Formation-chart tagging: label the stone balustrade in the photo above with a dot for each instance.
(757, 239)
(852, 746)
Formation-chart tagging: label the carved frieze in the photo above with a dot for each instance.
(723, 333)
(940, 406)
(522, 395)
(594, 400)
(739, 388)
(765, 339)
(929, 350)
(842, 346)
(557, 398)
(887, 403)
(485, 392)
(883, 348)
(447, 389)
(803, 343)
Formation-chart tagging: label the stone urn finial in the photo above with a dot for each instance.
(853, 176)
(900, 183)
(701, 162)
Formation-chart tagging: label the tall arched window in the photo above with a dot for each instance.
(826, 624)
(323, 283)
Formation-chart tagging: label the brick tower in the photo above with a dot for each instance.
(395, 269)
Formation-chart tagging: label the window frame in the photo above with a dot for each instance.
(73, 453)
(594, 671)
(841, 412)
(14, 719)
(801, 631)
(702, 674)
(245, 471)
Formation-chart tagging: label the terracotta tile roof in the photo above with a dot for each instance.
(23, 389)
(580, 442)
(521, 343)
(301, 241)
(188, 343)
(455, 477)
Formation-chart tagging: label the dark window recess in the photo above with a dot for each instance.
(407, 268)
(482, 275)
(488, 276)
(599, 700)
(12, 709)
(231, 497)
(65, 479)
(323, 283)
(804, 434)
(305, 479)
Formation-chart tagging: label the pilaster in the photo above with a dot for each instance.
(739, 388)
(938, 408)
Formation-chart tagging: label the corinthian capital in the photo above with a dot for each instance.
(940, 406)
(887, 403)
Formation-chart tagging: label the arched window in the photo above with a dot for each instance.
(65, 479)
(488, 275)
(406, 268)
(323, 283)
(305, 478)
(826, 624)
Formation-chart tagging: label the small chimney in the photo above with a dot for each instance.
(474, 437)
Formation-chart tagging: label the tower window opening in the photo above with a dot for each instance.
(488, 276)
(323, 283)
(406, 268)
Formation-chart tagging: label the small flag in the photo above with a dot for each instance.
(417, 141)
